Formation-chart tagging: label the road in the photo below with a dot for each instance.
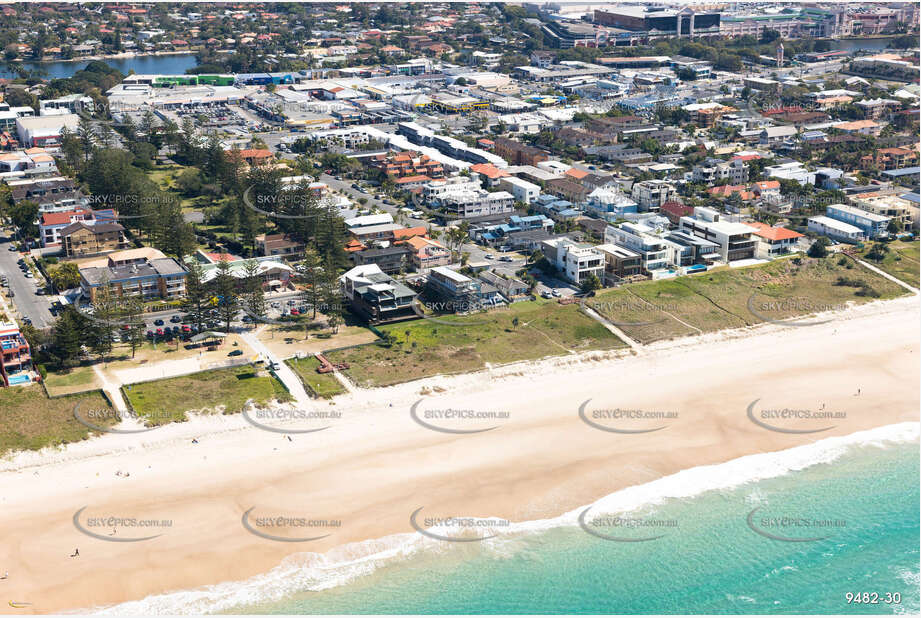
(345, 187)
(36, 308)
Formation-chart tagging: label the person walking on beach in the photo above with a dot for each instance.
(76, 553)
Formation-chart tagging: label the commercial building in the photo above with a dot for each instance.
(656, 23)
(45, 131)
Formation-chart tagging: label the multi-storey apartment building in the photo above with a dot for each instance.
(15, 355)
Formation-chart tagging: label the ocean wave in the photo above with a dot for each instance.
(314, 572)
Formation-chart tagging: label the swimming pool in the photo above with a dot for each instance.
(20, 378)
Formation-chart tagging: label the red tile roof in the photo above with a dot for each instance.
(773, 233)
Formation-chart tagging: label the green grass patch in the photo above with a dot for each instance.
(30, 420)
(164, 401)
(324, 385)
(901, 261)
(78, 379)
(734, 297)
(524, 331)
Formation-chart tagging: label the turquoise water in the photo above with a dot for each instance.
(712, 562)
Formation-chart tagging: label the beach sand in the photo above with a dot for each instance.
(374, 466)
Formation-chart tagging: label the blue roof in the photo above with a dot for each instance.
(905, 171)
(911, 197)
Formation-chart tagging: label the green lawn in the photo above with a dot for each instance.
(29, 420)
(734, 297)
(77, 380)
(168, 400)
(524, 331)
(901, 261)
(323, 385)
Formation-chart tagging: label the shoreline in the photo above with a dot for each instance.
(375, 466)
(119, 56)
(342, 565)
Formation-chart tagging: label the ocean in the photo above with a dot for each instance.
(806, 530)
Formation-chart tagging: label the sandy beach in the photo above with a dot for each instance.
(374, 466)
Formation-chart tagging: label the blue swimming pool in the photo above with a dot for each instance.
(20, 378)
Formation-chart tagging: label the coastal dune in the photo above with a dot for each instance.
(527, 454)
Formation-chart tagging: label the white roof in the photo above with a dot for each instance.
(841, 226)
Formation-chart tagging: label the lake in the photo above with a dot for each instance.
(175, 64)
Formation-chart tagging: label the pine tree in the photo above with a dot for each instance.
(225, 286)
(253, 294)
(197, 300)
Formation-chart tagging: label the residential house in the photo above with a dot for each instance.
(712, 170)
(375, 296)
(773, 241)
(619, 263)
(735, 239)
(650, 195)
(574, 261)
(279, 245)
(834, 229)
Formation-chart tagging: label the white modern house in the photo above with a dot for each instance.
(575, 261)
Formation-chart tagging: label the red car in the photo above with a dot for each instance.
(186, 329)
(295, 312)
(159, 331)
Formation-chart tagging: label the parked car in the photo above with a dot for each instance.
(158, 322)
(546, 294)
(175, 329)
(175, 319)
(556, 293)
(160, 332)
(235, 353)
(149, 334)
(295, 311)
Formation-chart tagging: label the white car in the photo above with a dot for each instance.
(556, 293)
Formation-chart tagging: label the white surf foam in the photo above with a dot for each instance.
(313, 572)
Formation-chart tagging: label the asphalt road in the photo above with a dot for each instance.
(31, 306)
